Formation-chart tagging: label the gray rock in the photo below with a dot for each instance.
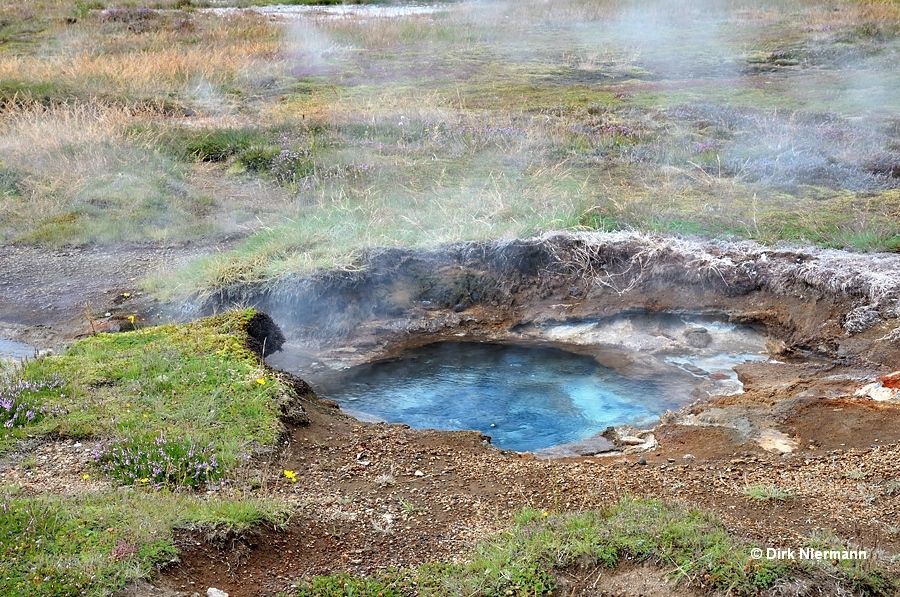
(586, 447)
(694, 370)
(642, 461)
(860, 319)
(214, 592)
(697, 337)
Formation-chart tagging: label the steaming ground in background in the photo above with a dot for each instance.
(159, 156)
(305, 137)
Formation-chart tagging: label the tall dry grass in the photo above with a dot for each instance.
(479, 121)
(82, 179)
(59, 142)
(72, 101)
(127, 67)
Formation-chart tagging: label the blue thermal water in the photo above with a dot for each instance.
(525, 398)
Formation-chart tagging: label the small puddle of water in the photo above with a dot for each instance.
(17, 351)
(336, 11)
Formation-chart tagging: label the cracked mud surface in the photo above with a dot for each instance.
(797, 426)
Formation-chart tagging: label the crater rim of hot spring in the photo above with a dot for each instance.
(549, 385)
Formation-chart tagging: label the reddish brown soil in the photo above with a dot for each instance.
(844, 424)
(451, 489)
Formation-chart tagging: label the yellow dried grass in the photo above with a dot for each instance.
(58, 147)
(143, 73)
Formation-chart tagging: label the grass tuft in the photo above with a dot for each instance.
(527, 559)
(94, 543)
(766, 493)
(691, 543)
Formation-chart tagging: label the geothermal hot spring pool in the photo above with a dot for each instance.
(548, 385)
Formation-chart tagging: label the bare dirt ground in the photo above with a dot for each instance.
(46, 295)
(371, 496)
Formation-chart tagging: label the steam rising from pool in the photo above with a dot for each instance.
(525, 398)
(547, 384)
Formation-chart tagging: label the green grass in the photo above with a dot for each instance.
(767, 493)
(691, 543)
(94, 543)
(196, 383)
(345, 585)
(19, 93)
(171, 409)
(10, 182)
(693, 546)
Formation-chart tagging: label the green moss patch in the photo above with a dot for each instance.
(189, 399)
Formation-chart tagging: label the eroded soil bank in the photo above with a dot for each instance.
(377, 495)
(822, 303)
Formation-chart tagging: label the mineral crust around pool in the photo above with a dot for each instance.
(884, 389)
(819, 303)
(533, 392)
(821, 310)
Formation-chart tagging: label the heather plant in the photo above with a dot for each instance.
(285, 156)
(158, 462)
(290, 165)
(21, 401)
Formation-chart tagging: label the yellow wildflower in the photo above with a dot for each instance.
(261, 381)
(291, 476)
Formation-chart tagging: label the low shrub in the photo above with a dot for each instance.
(21, 404)
(158, 462)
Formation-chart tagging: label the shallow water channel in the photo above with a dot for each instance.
(547, 385)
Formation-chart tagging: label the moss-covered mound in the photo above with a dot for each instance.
(168, 410)
(171, 405)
